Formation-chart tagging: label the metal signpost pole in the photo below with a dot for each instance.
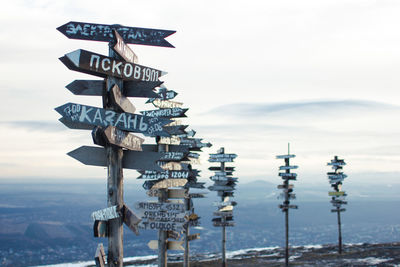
(339, 231)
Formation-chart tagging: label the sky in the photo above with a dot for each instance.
(255, 75)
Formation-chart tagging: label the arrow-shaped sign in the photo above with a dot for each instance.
(288, 167)
(167, 174)
(123, 139)
(158, 103)
(119, 101)
(172, 245)
(131, 219)
(106, 214)
(222, 157)
(96, 88)
(163, 94)
(166, 112)
(103, 32)
(102, 66)
(101, 117)
(285, 156)
(96, 156)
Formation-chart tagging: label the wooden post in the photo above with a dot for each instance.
(186, 229)
(224, 262)
(115, 194)
(286, 182)
(162, 235)
(340, 230)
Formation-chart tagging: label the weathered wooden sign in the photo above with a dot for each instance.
(223, 213)
(131, 219)
(122, 49)
(289, 176)
(225, 224)
(173, 140)
(106, 214)
(123, 139)
(163, 94)
(288, 206)
(173, 156)
(221, 188)
(334, 193)
(99, 65)
(287, 167)
(172, 193)
(101, 117)
(173, 166)
(76, 125)
(218, 168)
(96, 156)
(173, 235)
(166, 183)
(336, 176)
(222, 157)
(103, 33)
(166, 112)
(282, 186)
(120, 101)
(338, 210)
(158, 103)
(155, 206)
(285, 156)
(96, 88)
(172, 245)
(164, 226)
(167, 174)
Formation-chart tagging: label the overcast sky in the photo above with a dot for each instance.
(322, 75)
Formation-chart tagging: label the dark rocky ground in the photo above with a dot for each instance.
(353, 255)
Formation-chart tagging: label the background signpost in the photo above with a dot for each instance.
(111, 124)
(287, 195)
(335, 179)
(172, 183)
(224, 184)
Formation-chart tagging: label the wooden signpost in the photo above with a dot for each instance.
(170, 185)
(335, 179)
(287, 195)
(224, 184)
(112, 124)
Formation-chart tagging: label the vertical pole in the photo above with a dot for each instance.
(340, 230)
(286, 182)
(186, 229)
(115, 187)
(162, 235)
(224, 263)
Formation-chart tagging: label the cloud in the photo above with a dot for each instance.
(327, 107)
(44, 126)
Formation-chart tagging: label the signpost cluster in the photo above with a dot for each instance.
(113, 123)
(172, 183)
(224, 184)
(287, 194)
(338, 196)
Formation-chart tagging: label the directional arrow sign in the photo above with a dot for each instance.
(96, 156)
(103, 32)
(173, 140)
(163, 94)
(222, 157)
(164, 226)
(337, 176)
(158, 103)
(223, 223)
(336, 210)
(193, 237)
(196, 195)
(166, 112)
(166, 183)
(155, 206)
(123, 49)
(287, 167)
(100, 256)
(342, 193)
(166, 174)
(291, 176)
(218, 168)
(96, 88)
(172, 245)
(106, 214)
(285, 156)
(172, 156)
(76, 125)
(173, 166)
(102, 66)
(172, 193)
(102, 117)
(282, 186)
